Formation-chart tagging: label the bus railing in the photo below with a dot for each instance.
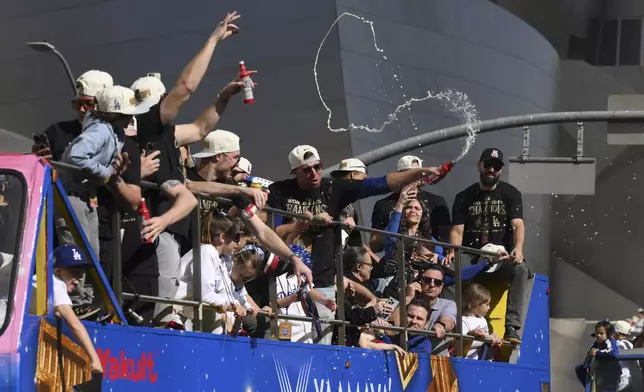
(198, 305)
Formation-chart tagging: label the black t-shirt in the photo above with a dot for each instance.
(60, 135)
(106, 202)
(331, 197)
(150, 129)
(487, 215)
(438, 210)
(206, 205)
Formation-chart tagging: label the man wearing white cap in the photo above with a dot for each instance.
(351, 169)
(221, 153)
(323, 199)
(59, 135)
(439, 211)
(212, 174)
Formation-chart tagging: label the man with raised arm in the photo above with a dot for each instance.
(491, 212)
(219, 157)
(324, 199)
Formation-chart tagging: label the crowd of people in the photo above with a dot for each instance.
(123, 136)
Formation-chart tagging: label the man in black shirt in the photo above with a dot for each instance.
(62, 133)
(491, 212)
(125, 187)
(438, 209)
(325, 199)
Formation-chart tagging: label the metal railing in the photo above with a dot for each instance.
(342, 324)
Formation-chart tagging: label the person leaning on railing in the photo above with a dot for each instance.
(417, 315)
(325, 199)
(219, 238)
(442, 318)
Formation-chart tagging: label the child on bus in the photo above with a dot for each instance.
(476, 304)
(70, 263)
(600, 360)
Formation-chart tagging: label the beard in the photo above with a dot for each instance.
(487, 181)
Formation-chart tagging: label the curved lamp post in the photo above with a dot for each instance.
(46, 47)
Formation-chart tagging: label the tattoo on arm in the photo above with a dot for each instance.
(170, 184)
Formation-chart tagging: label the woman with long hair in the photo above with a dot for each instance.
(222, 272)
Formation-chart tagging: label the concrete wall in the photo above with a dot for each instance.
(600, 234)
(463, 45)
(129, 39)
(625, 9)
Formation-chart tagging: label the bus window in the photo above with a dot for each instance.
(12, 209)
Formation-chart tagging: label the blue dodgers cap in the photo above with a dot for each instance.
(70, 256)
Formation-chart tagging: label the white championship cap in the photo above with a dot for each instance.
(244, 165)
(407, 162)
(296, 157)
(350, 165)
(494, 249)
(119, 99)
(149, 89)
(218, 142)
(91, 82)
(623, 327)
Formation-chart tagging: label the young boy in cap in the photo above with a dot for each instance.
(70, 264)
(96, 151)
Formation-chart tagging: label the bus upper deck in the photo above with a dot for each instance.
(147, 358)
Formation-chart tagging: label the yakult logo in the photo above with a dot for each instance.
(123, 368)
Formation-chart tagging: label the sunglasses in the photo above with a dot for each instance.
(312, 169)
(77, 104)
(497, 166)
(428, 281)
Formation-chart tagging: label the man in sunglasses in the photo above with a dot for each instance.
(323, 199)
(60, 135)
(491, 212)
(428, 288)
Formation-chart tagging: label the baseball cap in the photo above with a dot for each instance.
(489, 247)
(119, 99)
(149, 89)
(622, 327)
(70, 256)
(218, 142)
(406, 162)
(244, 165)
(490, 154)
(91, 82)
(296, 157)
(350, 165)
(640, 310)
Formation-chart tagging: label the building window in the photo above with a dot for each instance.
(616, 42)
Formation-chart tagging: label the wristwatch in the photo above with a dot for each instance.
(441, 323)
(290, 258)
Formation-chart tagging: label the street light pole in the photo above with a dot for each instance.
(46, 47)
